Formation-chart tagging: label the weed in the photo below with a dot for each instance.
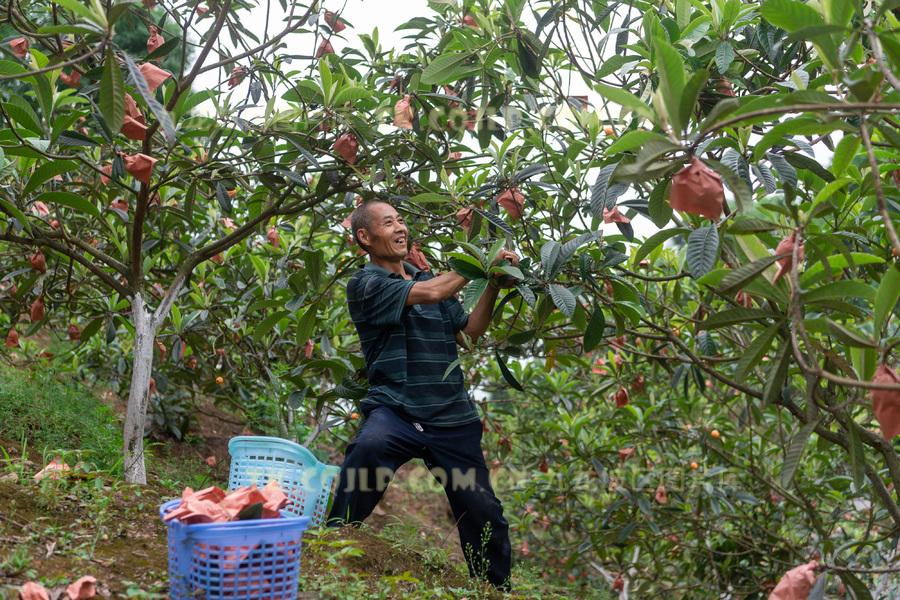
(17, 562)
(45, 412)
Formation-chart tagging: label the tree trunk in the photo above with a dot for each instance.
(138, 396)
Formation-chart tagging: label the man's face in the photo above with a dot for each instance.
(387, 235)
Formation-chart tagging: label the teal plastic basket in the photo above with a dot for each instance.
(306, 481)
(239, 559)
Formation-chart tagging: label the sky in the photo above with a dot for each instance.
(364, 16)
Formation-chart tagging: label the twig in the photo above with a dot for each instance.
(879, 192)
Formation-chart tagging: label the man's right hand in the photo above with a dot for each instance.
(504, 281)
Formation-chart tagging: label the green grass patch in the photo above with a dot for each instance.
(50, 413)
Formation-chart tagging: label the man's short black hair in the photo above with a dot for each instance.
(361, 218)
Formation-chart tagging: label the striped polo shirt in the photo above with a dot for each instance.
(408, 348)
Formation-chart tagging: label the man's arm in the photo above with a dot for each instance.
(480, 317)
(436, 289)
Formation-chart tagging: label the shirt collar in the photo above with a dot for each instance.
(410, 269)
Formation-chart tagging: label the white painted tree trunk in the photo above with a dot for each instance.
(138, 396)
(146, 324)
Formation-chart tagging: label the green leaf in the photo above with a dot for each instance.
(837, 262)
(654, 241)
(351, 94)
(223, 198)
(777, 375)
(507, 374)
(529, 51)
(79, 9)
(838, 12)
(593, 335)
(447, 68)
(702, 250)
(844, 153)
(450, 368)
(755, 351)
(509, 270)
(466, 266)
(854, 583)
(494, 251)
(10, 209)
(848, 336)
(739, 277)
(634, 140)
(306, 324)
(563, 299)
(45, 172)
(658, 207)
(267, 324)
(625, 99)
(112, 93)
(71, 200)
(724, 56)
(550, 257)
(746, 225)
(600, 189)
(790, 15)
(886, 298)
(472, 293)
(743, 195)
(795, 451)
(839, 290)
(733, 316)
(857, 457)
(670, 67)
(691, 92)
(158, 110)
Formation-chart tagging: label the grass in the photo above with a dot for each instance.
(52, 414)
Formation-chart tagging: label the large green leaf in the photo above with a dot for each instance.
(857, 456)
(733, 316)
(886, 298)
(634, 140)
(751, 356)
(507, 374)
(670, 67)
(72, 200)
(563, 299)
(112, 93)
(267, 324)
(158, 110)
(466, 265)
(658, 207)
(654, 241)
(47, 171)
(625, 99)
(777, 375)
(795, 451)
(839, 290)
(702, 250)
(447, 68)
(790, 15)
(593, 335)
(739, 277)
(836, 263)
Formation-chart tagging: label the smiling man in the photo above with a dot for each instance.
(409, 323)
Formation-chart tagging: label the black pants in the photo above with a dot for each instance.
(453, 454)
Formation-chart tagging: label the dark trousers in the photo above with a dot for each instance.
(453, 454)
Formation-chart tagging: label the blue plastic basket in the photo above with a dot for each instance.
(306, 481)
(239, 559)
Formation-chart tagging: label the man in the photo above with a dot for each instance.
(409, 323)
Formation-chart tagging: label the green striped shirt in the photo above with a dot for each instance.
(408, 348)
